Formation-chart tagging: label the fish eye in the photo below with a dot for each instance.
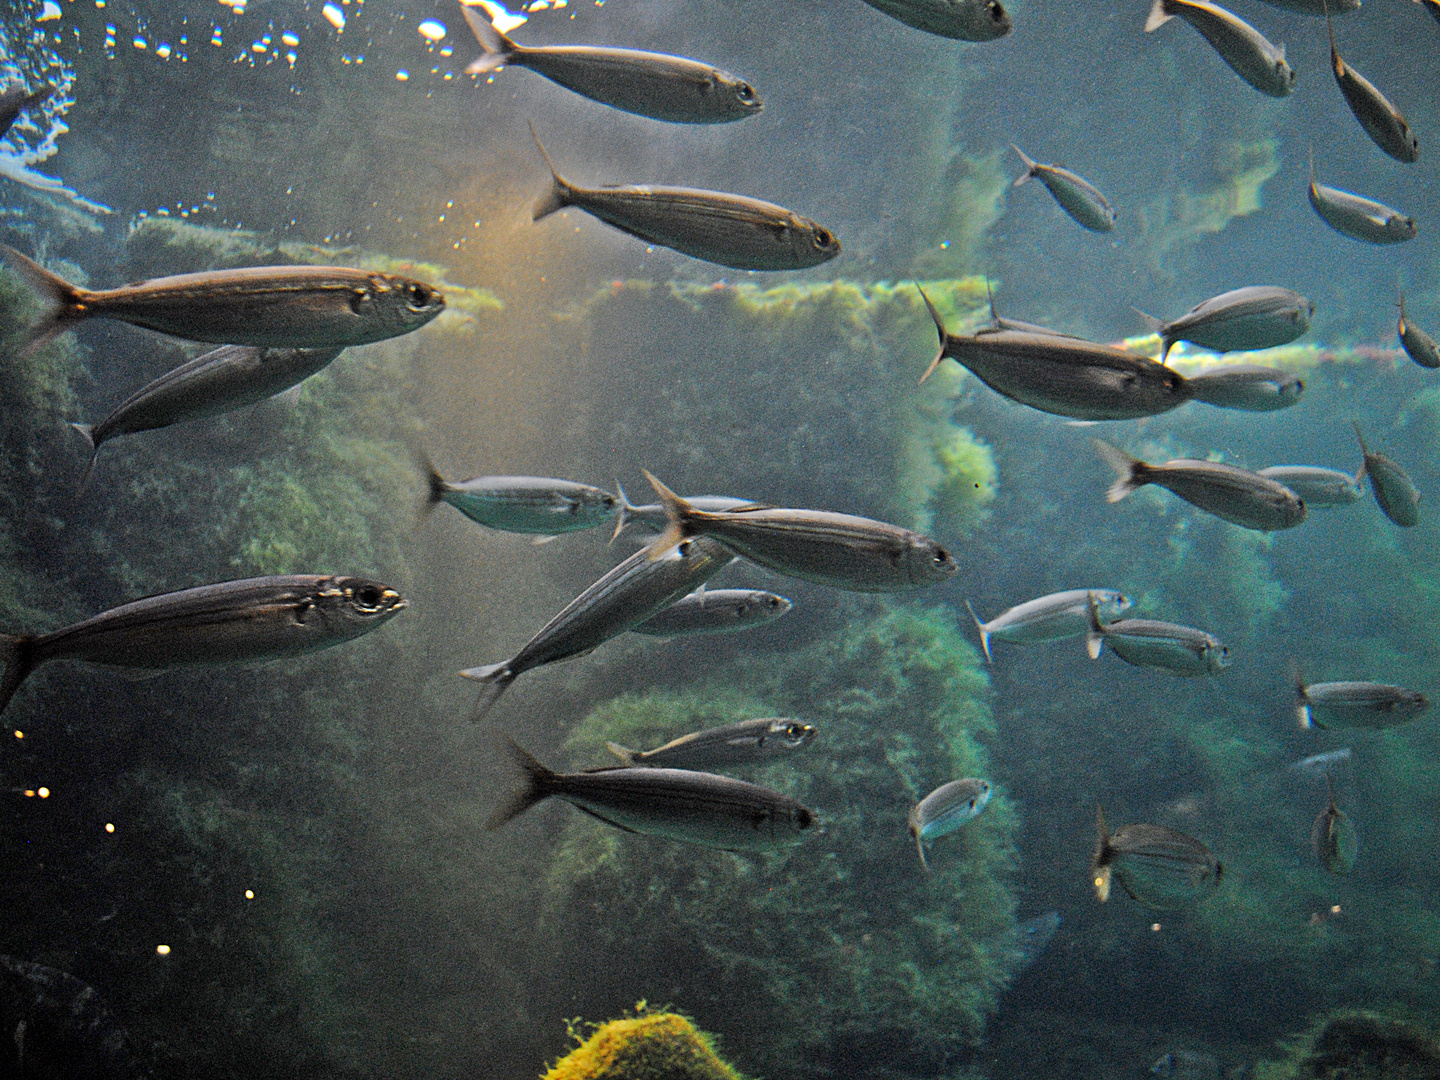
(795, 731)
(972, 804)
(941, 557)
(804, 818)
(417, 295)
(368, 597)
(996, 11)
(745, 92)
(823, 239)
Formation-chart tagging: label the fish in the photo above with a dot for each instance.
(1159, 867)
(745, 742)
(1054, 617)
(17, 99)
(1180, 650)
(669, 88)
(1432, 6)
(652, 515)
(1317, 8)
(73, 1016)
(1352, 706)
(1358, 217)
(1241, 320)
(1186, 1065)
(731, 230)
(962, 20)
(716, 611)
(1317, 765)
(947, 808)
(1333, 837)
(630, 593)
(230, 622)
(1233, 494)
(219, 381)
(677, 804)
(1318, 486)
(524, 504)
(1028, 941)
(1393, 488)
(1239, 44)
(1418, 345)
(1249, 387)
(1383, 122)
(1062, 375)
(840, 550)
(1077, 196)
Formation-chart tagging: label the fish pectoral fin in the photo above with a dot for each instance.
(601, 817)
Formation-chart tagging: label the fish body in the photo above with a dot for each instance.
(669, 88)
(1180, 650)
(678, 804)
(962, 20)
(652, 515)
(78, 1020)
(254, 619)
(282, 307)
(1241, 320)
(1239, 44)
(1393, 488)
(840, 550)
(1318, 486)
(1054, 617)
(1319, 765)
(1248, 387)
(1333, 837)
(1159, 867)
(1348, 706)
(1383, 122)
(1236, 495)
(1029, 940)
(746, 742)
(525, 504)
(16, 100)
(1078, 197)
(715, 611)
(1418, 345)
(1186, 1065)
(949, 807)
(1358, 217)
(1317, 8)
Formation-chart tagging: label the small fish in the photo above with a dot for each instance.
(1029, 940)
(839, 550)
(1159, 867)
(716, 611)
(1418, 345)
(669, 88)
(1333, 837)
(1241, 320)
(692, 807)
(731, 230)
(1317, 766)
(232, 622)
(1054, 617)
(947, 808)
(1239, 44)
(219, 381)
(1236, 495)
(1180, 650)
(17, 99)
(1350, 706)
(1077, 196)
(1393, 489)
(742, 743)
(78, 1026)
(1380, 119)
(1186, 1065)
(1318, 486)
(1249, 387)
(652, 516)
(962, 20)
(1358, 217)
(524, 504)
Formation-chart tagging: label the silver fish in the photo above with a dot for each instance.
(716, 611)
(732, 230)
(1393, 489)
(1333, 837)
(1180, 650)
(947, 808)
(638, 588)
(662, 87)
(1236, 495)
(1186, 1065)
(1054, 617)
(1358, 217)
(17, 99)
(1249, 387)
(1318, 486)
(524, 504)
(963, 20)
(1159, 867)
(1418, 345)
(1241, 320)
(742, 743)
(1380, 119)
(1319, 765)
(840, 550)
(1077, 196)
(1239, 44)
(230, 622)
(219, 381)
(1062, 375)
(692, 807)
(652, 515)
(1348, 706)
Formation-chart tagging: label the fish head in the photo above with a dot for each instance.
(1302, 315)
(351, 606)
(396, 301)
(810, 241)
(1417, 703)
(1165, 1066)
(790, 733)
(1400, 227)
(1217, 656)
(739, 96)
(758, 605)
(980, 20)
(1284, 73)
(927, 562)
(1109, 604)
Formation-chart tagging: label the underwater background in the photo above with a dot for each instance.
(307, 838)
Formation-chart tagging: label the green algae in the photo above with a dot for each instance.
(1359, 1044)
(650, 1045)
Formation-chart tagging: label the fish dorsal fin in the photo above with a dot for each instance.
(1335, 61)
(1363, 448)
(939, 329)
(990, 296)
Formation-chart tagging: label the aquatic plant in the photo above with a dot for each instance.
(650, 1045)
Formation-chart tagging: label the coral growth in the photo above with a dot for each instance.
(647, 1046)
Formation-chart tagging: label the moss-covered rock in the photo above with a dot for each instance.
(647, 1046)
(1359, 1045)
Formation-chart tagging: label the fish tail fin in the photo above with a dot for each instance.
(62, 302)
(536, 784)
(1303, 712)
(677, 510)
(495, 679)
(437, 483)
(1158, 17)
(1029, 166)
(17, 654)
(87, 432)
(627, 508)
(1100, 861)
(1360, 472)
(559, 195)
(939, 329)
(1335, 61)
(499, 49)
(984, 634)
(624, 753)
(1312, 166)
(1094, 632)
(1129, 470)
(920, 847)
(1363, 448)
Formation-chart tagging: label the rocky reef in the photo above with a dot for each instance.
(650, 1045)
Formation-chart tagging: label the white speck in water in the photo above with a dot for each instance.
(51, 10)
(334, 16)
(402, 75)
(432, 30)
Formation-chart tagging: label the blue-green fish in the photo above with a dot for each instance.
(716, 611)
(1054, 617)
(742, 743)
(947, 808)
(524, 504)
(1078, 197)
(1159, 867)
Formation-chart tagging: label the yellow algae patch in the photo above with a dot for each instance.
(646, 1046)
(1191, 359)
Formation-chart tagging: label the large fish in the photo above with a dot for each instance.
(230, 622)
(745, 742)
(1054, 617)
(1347, 706)
(963, 20)
(1380, 119)
(1236, 495)
(1077, 196)
(1418, 345)
(17, 99)
(692, 807)
(715, 611)
(1180, 650)
(1239, 44)
(839, 550)
(1249, 387)
(947, 808)
(1358, 217)
(661, 87)
(732, 230)
(1393, 488)
(77, 1025)
(1333, 837)
(1318, 486)
(524, 504)
(1159, 867)
(1062, 375)
(1241, 320)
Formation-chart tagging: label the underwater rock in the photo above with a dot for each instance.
(1361, 1045)
(646, 1046)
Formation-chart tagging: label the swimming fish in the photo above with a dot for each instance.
(1318, 8)
(76, 1019)
(1349, 706)
(1048, 618)
(1249, 387)
(715, 611)
(1158, 866)
(1077, 196)
(17, 99)
(662, 87)
(219, 381)
(524, 504)
(732, 230)
(947, 808)
(1380, 119)
(652, 515)
(1186, 1065)
(1180, 650)
(1063, 375)
(1418, 345)
(743, 743)
(1333, 837)
(1236, 495)
(1318, 486)
(231, 622)
(1319, 765)
(1239, 44)
(1393, 489)
(839, 550)
(692, 807)
(636, 589)
(963, 20)
(1358, 217)
(1241, 320)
